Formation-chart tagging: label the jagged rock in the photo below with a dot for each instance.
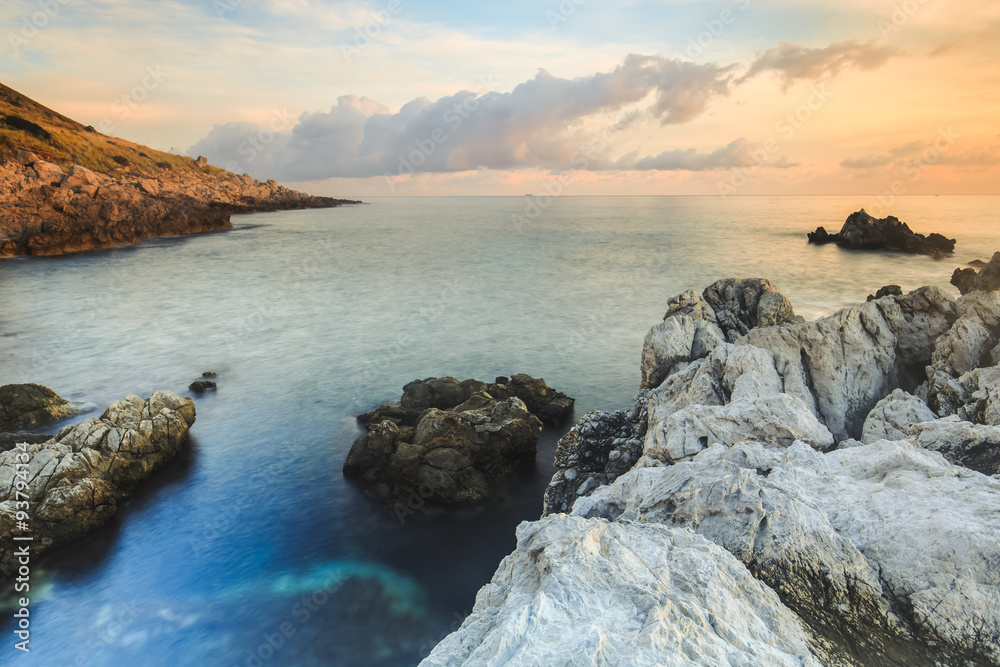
(741, 304)
(449, 457)
(595, 452)
(986, 280)
(975, 446)
(446, 393)
(854, 540)
(8, 440)
(886, 290)
(48, 172)
(584, 591)
(75, 480)
(861, 231)
(149, 186)
(202, 161)
(27, 405)
(892, 417)
(546, 403)
(80, 177)
(397, 415)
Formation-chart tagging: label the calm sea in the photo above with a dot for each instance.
(251, 549)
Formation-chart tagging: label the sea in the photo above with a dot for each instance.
(251, 548)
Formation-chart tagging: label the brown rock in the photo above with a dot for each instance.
(27, 405)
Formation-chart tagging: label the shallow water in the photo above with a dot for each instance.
(251, 548)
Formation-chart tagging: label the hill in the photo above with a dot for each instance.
(66, 187)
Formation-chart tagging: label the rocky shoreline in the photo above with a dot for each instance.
(782, 492)
(862, 231)
(51, 212)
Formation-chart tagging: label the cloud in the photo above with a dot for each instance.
(543, 122)
(738, 153)
(794, 61)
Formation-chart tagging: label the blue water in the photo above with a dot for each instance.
(251, 548)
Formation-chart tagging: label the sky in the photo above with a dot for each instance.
(880, 98)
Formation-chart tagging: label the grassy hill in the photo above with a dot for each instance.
(26, 124)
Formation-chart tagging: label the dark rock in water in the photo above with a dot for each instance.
(78, 476)
(986, 280)
(453, 442)
(27, 405)
(861, 231)
(501, 379)
(200, 386)
(977, 263)
(209, 374)
(8, 440)
(887, 290)
(448, 457)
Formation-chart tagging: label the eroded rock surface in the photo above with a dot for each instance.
(73, 482)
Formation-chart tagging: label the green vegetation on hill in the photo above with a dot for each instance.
(26, 124)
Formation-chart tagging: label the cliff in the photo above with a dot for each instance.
(782, 492)
(66, 187)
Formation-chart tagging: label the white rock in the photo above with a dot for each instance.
(892, 417)
(587, 592)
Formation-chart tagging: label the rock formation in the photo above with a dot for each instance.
(986, 279)
(27, 405)
(49, 212)
(861, 231)
(72, 483)
(453, 442)
(882, 550)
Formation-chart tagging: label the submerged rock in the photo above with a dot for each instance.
(73, 482)
(861, 231)
(27, 405)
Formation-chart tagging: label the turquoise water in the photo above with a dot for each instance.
(251, 548)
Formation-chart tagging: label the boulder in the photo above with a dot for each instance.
(201, 386)
(49, 172)
(448, 457)
(741, 304)
(854, 541)
(441, 393)
(546, 403)
(28, 405)
(80, 177)
(861, 231)
(974, 446)
(590, 592)
(202, 161)
(985, 280)
(26, 158)
(149, 186)
(892, 417)
(886, 290)
(76, 479)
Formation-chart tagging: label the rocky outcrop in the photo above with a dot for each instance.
(449, 457)
(71, 484)
(884, 550)
(694, 325)
(49, 212)
(861, 231)
(986, 279)
(591, 592)
(27, 405)
(453, 442)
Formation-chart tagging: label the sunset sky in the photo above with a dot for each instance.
(730, 97)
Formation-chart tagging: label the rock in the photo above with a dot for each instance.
(199, 386)
(80, 177)
(77, 478)
(861, 231)
(28, 405)
(48, 172)
(441, 393)
(887, 290)
(547, 404)
(854, 541)
(397, 415)
(974, 446)
(892, 417)
(449, 457)
(202, 161)
(209, 374)
(8, 440)
(149, 186)
(585, 591)
(741, 304)
(986, 280)
(26, 158)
